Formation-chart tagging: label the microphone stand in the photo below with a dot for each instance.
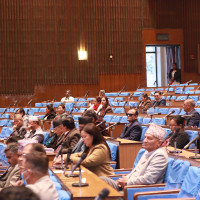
(195, 156)
(175, 148)
(80, 183)
(61, 165)
(71, 174)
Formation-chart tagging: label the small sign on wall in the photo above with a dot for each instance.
(162, 36)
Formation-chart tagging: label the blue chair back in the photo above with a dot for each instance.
(191, 183)
(163, 111)
(144, 129)
(56, 104)
(119, 110)
(159, 121)
(116, 119)
(125, 94)
(113, 150)
(124, 120)
(139, 155)
(108, 118)
(192, 135)
(114, 103)
(195, 98)
(146, 120)
(38, 104)
(69, 106)
(181, 98)
(133, 104)
(140, 120)
(177, 173)
(177, 111)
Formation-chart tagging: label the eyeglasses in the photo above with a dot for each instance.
(129, 114)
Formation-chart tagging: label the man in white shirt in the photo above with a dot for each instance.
(34, 131)
(153, 164)
(67, 97)
(35, 172)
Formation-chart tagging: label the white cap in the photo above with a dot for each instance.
(33, 118)
(156, 131)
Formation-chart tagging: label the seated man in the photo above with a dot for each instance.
(34, 130)
(98, 123)
(152, 165)
(159, 101)
(18, 193)
(70, 135)
(35, 172)
(19, 130)
(57, 131)
(133, 130)
(67, 97)
(189, 108)
(12, 174)
(24, 117)
(80, 146)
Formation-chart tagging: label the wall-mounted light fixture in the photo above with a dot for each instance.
(82, 54)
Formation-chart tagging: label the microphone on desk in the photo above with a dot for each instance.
(83, 156)
(155, 114)
(86, 94)
(101, 123)
(121, 90)
(103, 194)
(138, 87)
(173, 111)
(188, 82)
(16, 102)
(187, 145)
(54, 98)
(170, 98)
(111, 126)
(69, 152)
(29, 102)
(59, 151)
(4, 111)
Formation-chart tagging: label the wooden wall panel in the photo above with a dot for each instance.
(176, 14)
(40, 39)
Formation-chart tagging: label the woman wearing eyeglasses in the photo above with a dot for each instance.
(177, 135)
(145, 103)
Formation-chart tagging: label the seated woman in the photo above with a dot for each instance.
(182, 138)
(96, 106)
(105, 108)
(98, 152)
(50, 113)
(61, 112)
(145, 103)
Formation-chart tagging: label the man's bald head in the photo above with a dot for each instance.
(189, 105)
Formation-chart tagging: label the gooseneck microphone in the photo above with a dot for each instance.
(100, 123)
(103, 194)
(187, 145)
(69, 152)
(59, 151)
(83, 156)
(173, 111)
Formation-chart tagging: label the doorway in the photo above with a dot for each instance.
(159, 60)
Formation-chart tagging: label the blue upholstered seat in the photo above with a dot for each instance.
(108, 118)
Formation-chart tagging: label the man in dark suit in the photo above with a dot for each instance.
(159, 101)
(133, 129)
(189, 108)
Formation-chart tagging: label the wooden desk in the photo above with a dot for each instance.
(127, 151)
(88, 192)
(185, 156)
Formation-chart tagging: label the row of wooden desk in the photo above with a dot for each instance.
(96, 184)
